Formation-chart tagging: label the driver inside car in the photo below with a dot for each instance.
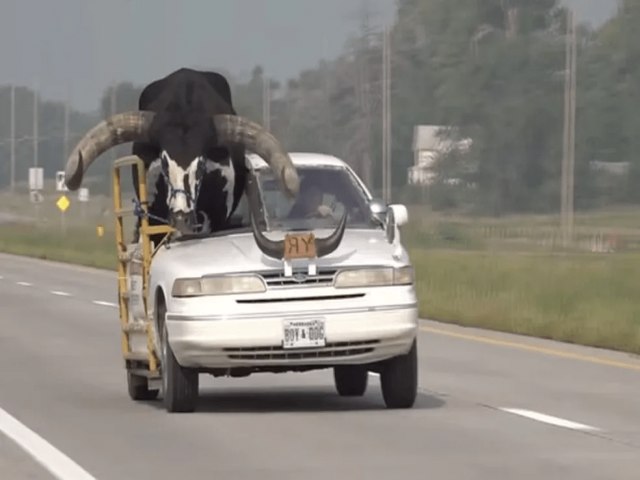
(309, 204)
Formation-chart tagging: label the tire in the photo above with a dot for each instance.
(351, 380)
(179, 385)
(139, 388)
(399, 379)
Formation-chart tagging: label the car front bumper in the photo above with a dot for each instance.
(353, 336)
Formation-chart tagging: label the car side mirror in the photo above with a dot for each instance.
(397, 215)
(400, 214)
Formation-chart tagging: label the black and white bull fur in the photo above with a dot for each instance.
(188, 173)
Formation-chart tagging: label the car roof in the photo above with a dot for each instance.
(301, 159)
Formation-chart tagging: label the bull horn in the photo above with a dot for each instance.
(238, 130)
(275, 248)
(117, 129)
(324, 246)
(271, 248)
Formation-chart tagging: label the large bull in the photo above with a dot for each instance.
(193, 146)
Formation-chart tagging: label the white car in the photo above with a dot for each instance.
(245, 300)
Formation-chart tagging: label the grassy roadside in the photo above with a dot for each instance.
(79, 245)
(579, 297)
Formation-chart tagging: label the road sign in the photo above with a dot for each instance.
(35, 196)
(63, 203)
(83, 195)
(36, 178)
(60, 186)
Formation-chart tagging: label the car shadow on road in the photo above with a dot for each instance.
(302, 399)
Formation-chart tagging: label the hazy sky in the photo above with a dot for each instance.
(77, 47)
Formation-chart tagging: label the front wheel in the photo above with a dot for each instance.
(399, 379)
(179, 385)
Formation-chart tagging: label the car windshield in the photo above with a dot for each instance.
(326, 192)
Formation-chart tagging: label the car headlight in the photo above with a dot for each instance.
(222, 285)
(374, 277)
(403, 275)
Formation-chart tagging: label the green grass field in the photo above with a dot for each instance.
(489, 274)
(79, 245)
(578, 298)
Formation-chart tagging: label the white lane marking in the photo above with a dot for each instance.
(59, 293)
(374, 374)
(25, 284)
(541, 417)
(104, 304)
(56, 462)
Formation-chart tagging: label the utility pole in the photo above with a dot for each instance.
(572, 131)
(113, 98)
(35, 125)
(386, 116)
(361, 143)
(328, 127)
(568, 157)
(66, 134)
(266, 101)
(13, 138)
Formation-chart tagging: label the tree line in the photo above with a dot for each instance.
(493, 69)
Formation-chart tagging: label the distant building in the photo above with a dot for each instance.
(428, 145)
(612, 168)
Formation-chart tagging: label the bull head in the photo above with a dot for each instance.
(182, 177)
(134, 126)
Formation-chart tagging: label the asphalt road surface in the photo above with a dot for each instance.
(491, 406)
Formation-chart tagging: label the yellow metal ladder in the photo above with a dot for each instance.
(124, 258)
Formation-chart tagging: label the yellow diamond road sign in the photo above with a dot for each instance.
(63, 203)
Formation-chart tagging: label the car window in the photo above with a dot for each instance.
(325, 194)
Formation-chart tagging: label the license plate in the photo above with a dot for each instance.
(303, 333)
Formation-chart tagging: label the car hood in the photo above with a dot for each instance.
(239, 253)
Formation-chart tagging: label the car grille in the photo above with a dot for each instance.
(300, 278)
(331, 350)
(315, 298)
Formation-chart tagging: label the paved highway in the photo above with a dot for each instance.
(492, 406)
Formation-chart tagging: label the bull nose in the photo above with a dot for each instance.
(180, 221)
